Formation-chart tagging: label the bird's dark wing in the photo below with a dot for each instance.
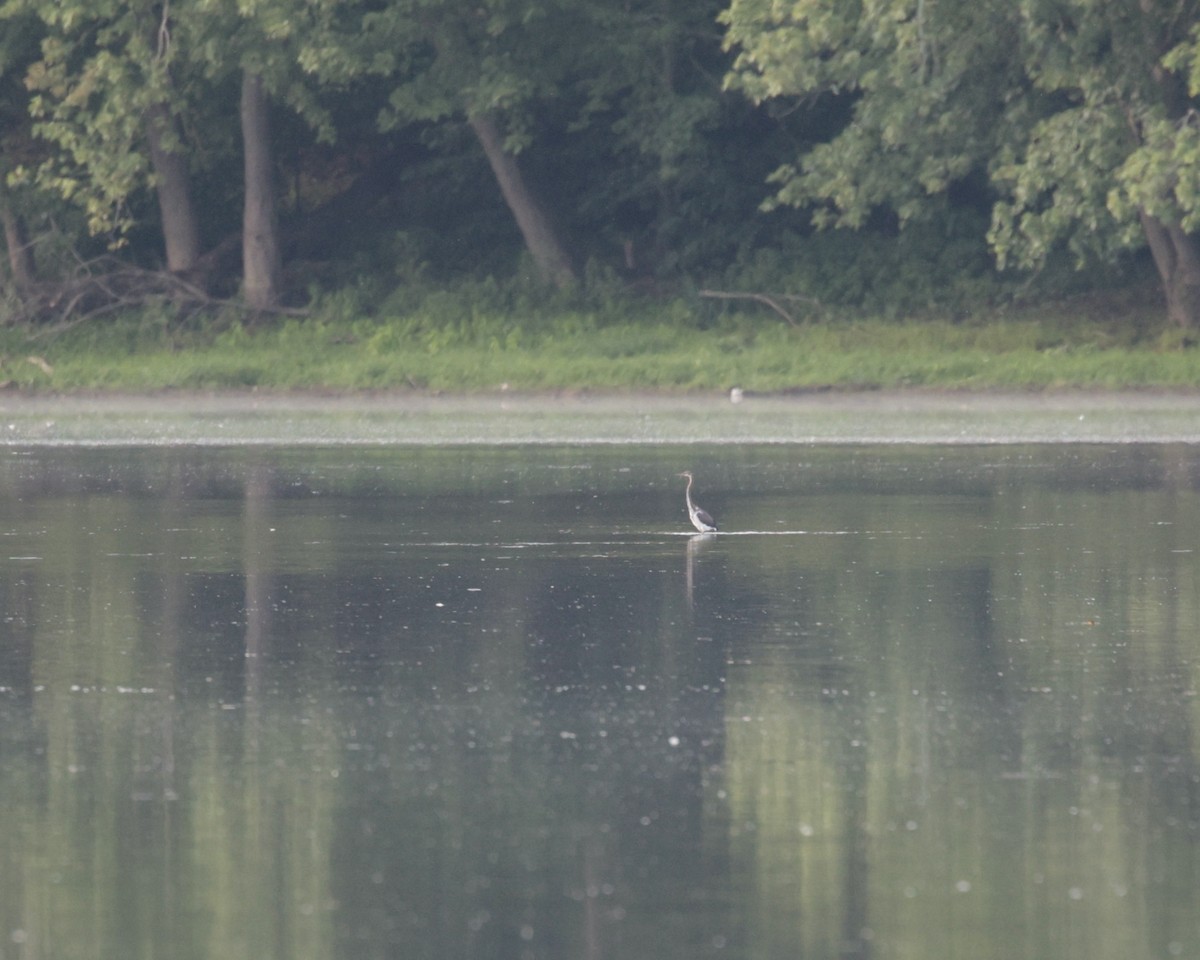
(703, 517)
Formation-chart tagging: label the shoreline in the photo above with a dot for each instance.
(327, 418)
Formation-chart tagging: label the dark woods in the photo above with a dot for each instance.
(198, 154)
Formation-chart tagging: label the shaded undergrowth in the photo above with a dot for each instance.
(681, 344)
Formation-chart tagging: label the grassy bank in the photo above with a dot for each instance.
(672, 347)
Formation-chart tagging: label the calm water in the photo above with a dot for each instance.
(912, 702)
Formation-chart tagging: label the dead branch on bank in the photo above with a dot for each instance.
(106, 285)
(769, 299)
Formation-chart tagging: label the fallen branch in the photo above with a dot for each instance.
(105, 285)
(769, 299)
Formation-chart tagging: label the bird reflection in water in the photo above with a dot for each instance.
(696, 544)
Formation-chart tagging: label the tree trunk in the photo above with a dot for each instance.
(20, 253)
(262, 266)
(181, 234)
(1177, 257)
(541, 239)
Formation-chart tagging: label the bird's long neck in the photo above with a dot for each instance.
(688, 494)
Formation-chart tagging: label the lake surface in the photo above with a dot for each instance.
(492, 701)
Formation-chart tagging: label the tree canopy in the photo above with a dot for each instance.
(1079, 114)
(663, 139)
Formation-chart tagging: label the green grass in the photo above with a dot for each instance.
(672, 347)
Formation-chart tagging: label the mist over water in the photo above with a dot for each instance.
(501, 701)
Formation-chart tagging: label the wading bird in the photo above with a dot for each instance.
(699, 517)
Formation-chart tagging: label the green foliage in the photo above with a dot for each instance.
(471, 339)
(905, 127)
(941, 264)
(928, 84)
(443, 64)
(102, 66)
(1161, 176)
(105, 65)
(1113, 145)
(1060, 186)
(1072, 108)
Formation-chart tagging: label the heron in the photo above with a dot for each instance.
(699, 517)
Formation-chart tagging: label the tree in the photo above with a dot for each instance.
(926, 83)
(259, 42)
(541, 238)
(251, 44)
(1075, 110)
(119, 80)
(104, 93)
(173, 186)
(16, 242)
(1115, 160)
(655, 120)
(262, 264)
(17, 46)
(484, 65)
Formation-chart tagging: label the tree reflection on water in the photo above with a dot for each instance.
(917, 702)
